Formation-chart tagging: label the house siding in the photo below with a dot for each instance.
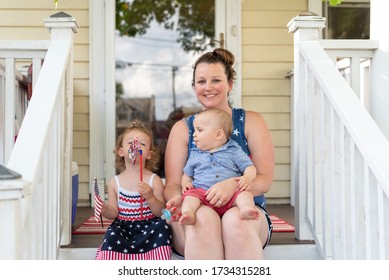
(267, 56)
(24, 20)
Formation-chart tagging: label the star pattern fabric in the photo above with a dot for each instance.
(131, 237)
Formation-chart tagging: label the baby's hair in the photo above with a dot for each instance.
(221, 118)
(152, 163)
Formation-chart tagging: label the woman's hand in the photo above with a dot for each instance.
(174, 206)
(222, 192)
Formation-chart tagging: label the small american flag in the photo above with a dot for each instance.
(98, 204)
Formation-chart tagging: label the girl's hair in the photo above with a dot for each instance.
(152, 163)
(223, 56)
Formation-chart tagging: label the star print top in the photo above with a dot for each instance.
(238, 121)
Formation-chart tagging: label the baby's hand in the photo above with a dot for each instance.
(187, 187)
(243, 184)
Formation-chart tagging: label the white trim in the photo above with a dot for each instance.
(228, 21)
(97, 87)
(110, 106)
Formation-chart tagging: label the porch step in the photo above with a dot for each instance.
(292, 252)
(272, 252)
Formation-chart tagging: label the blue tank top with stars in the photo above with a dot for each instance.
(238, 120)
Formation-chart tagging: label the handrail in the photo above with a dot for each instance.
(340, 154)
(357, 120)
(37, 208)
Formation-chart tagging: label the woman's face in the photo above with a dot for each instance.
(211, 85)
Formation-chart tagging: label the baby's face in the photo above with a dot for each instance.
(205, 133)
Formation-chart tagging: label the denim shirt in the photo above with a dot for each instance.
(207, 168)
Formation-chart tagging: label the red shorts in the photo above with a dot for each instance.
(200, 194)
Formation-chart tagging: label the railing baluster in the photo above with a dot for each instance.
(9, 124)
(352, 205)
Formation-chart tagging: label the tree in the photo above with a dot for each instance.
(193, 19)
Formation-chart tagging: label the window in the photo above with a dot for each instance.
(349, 20)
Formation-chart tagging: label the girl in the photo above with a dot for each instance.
(135, 201)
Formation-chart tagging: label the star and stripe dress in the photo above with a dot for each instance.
(136, 234)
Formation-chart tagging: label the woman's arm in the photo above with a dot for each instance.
(176, 154)
(262, 152)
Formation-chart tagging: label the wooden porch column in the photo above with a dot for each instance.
(306, 27)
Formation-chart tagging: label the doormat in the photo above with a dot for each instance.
(90, 226)
(280, 225)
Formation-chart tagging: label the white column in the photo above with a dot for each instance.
(62, 27)
(379, 22)
(305, 28)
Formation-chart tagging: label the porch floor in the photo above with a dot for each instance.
(282, 211)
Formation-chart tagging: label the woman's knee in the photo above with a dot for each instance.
(207, 224)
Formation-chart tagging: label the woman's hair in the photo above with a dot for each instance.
(152, 163)
(222, 56)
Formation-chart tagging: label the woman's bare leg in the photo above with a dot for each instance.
(178, 235)
(203, 239)
(243, 239)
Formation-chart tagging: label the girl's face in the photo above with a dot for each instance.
(211, 85)
(128, 141)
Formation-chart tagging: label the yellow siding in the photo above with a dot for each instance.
(267, 56)
(24, 20)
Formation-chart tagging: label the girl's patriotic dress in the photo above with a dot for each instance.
(136, 234)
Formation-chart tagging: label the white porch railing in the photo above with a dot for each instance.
(340, 156)
(36, 209)
(13, 115)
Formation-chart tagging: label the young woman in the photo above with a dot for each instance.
(212, 237)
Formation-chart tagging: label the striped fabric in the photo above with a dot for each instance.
(160, 253)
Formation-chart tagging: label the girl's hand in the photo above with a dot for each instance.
(222, 192)
(145, 190)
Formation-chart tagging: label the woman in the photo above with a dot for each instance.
(212, 237)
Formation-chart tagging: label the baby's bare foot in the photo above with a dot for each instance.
(249, 213)
(187, 219)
